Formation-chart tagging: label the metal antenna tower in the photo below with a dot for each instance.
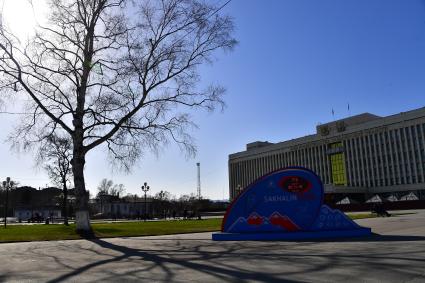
(199, 180)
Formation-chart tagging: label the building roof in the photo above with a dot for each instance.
(354, 120)
(332, 129)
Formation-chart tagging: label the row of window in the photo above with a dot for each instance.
(385, 151)
(386, 158)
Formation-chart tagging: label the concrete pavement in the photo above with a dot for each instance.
(397, 255)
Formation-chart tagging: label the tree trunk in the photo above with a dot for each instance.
(65, 202)
(82, 219)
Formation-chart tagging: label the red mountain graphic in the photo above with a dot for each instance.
(283, 221)
(255, 219)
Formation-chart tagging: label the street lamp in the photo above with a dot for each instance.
(145, 189)
(6, 185)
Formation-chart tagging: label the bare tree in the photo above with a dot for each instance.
(161, 203)
(117, 73)
(107, 187)
(56, 155)
(104, 186)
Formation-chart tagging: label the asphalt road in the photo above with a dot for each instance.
(396, 255)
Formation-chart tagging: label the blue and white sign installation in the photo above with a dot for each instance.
(285, 205)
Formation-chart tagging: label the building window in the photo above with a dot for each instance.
(338, 169)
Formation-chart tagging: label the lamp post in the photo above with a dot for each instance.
(145, 189)
(6, 185)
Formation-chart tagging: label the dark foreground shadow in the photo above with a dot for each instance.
(371, 238)
(221, 273)
(217, 264)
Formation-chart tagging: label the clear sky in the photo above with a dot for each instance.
(296, 61)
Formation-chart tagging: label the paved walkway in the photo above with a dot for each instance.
(397, 255)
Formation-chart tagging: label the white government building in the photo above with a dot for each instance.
(363, 154)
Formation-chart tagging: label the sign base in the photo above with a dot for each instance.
(305, 235)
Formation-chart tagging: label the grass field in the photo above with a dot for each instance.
(18, 233)
(361, 215)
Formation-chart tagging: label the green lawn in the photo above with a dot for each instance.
(17, 233)
(152, 228)
(361, 215)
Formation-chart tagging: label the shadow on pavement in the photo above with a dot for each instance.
(216, 260)
(372, 238)
(220, 272)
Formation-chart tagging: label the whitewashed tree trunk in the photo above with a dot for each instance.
(82, 221)
(82, 218)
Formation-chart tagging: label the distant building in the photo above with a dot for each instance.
(27, 202)
(37, 212)
(115, 207)
(364, 154)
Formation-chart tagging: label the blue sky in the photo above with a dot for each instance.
(296, 61)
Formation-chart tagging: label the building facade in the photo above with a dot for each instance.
(28, 203)
(111, 206)
(37, 213)
(364, 154)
